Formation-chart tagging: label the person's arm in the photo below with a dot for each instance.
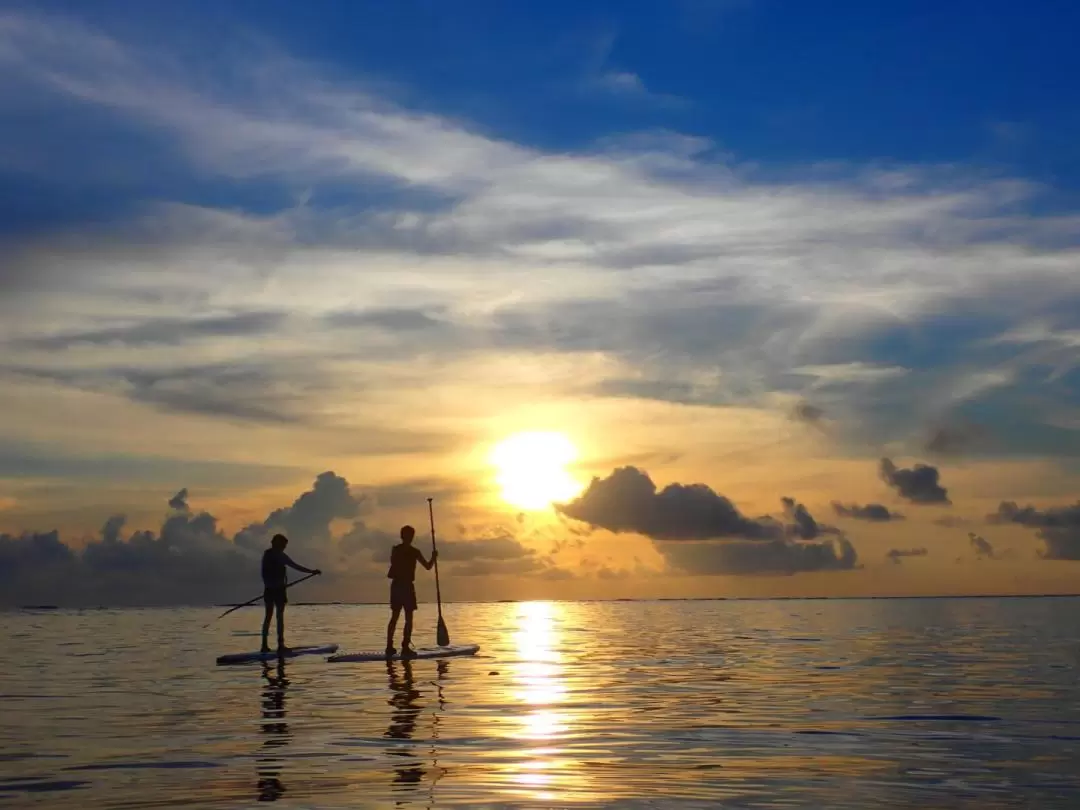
(298, 567)
(425, 562)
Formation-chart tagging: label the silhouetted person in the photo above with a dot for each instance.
(402, 573)
(275, 581)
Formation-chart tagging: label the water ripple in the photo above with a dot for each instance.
(958, 703)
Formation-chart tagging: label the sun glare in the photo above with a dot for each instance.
(531, 469)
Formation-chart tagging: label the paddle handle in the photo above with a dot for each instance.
(438, 593)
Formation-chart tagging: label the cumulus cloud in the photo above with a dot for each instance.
(189, 559)
(803, 525)
(896, 555)
(875, 512)
(918, 484)
(179, 501)
(309, 517)
(700, 531)
(981, 546)
(1058, 527)
(628, 501)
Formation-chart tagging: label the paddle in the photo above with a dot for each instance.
(253, 601)
(442, 635)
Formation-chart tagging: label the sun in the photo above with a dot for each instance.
(531, 469)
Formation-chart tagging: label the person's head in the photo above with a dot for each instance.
(279, 542)
(407, 534)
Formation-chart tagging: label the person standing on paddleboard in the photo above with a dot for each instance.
(275, 582)
(402, 573)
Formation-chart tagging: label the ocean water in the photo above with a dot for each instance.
(824, 704)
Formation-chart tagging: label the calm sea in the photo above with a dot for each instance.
(879, 703)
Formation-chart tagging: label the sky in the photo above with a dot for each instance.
(768, 301)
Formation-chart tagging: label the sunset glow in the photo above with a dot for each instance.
(531, 469)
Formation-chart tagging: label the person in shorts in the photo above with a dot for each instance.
(275, 581)
(402, 574)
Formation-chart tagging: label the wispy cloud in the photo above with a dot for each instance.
(691, 279)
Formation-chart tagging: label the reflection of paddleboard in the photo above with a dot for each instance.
(423, 652)
(243, 658)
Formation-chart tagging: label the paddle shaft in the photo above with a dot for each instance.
(438, 593)
(256, 599)
(442, 635)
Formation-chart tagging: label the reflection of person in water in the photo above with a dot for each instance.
(403, 722)
(270, 787)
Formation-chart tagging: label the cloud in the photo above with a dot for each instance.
(872, 511)
(308, 520)
(918, 484)
(179, 501)
(810, 414)
(896, 555)
(190, 559)
(1058, 527)
(699, 531)
(981, 546)
(803, 524)
(875, 294)
(953, 440)
(163, 331)
(628, 501)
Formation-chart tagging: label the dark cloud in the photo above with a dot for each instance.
(803, 525)
(163, 331)
(876, 512)
(388, 319)
(308, 520)
(981, 546)
(251, 393)
(699, 531)
(896, 555)
(810, 414)
(628, 501)
(179, 501)
(772, 557)
(952, 521)
(1058, 527)
(918, 484)
(953, 440)
(188, 560)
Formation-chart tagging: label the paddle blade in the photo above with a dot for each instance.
(442, 635)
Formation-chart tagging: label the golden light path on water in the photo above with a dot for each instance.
(540, 689)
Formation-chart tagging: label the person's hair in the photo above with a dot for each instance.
(279, 541)
(408, 532)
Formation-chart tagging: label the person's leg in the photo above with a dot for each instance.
(266, 625)
(406, 633)
(395, 611)
(281, 625)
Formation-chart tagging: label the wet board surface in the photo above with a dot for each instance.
(243, 658)
(422, 652)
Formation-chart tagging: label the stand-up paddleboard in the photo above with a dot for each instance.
(273, 655)
(423, 652)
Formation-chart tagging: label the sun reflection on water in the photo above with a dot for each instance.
(539, 686)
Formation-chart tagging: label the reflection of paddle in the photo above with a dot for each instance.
(442, 635)
(253, 601)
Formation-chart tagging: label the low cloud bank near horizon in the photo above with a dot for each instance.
(699, 531)
(190, 560)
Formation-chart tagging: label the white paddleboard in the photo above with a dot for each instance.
(243, 658)
(422, 652)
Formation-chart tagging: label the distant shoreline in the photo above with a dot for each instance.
(53, 608)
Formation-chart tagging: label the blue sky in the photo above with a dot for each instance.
(238, 239)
